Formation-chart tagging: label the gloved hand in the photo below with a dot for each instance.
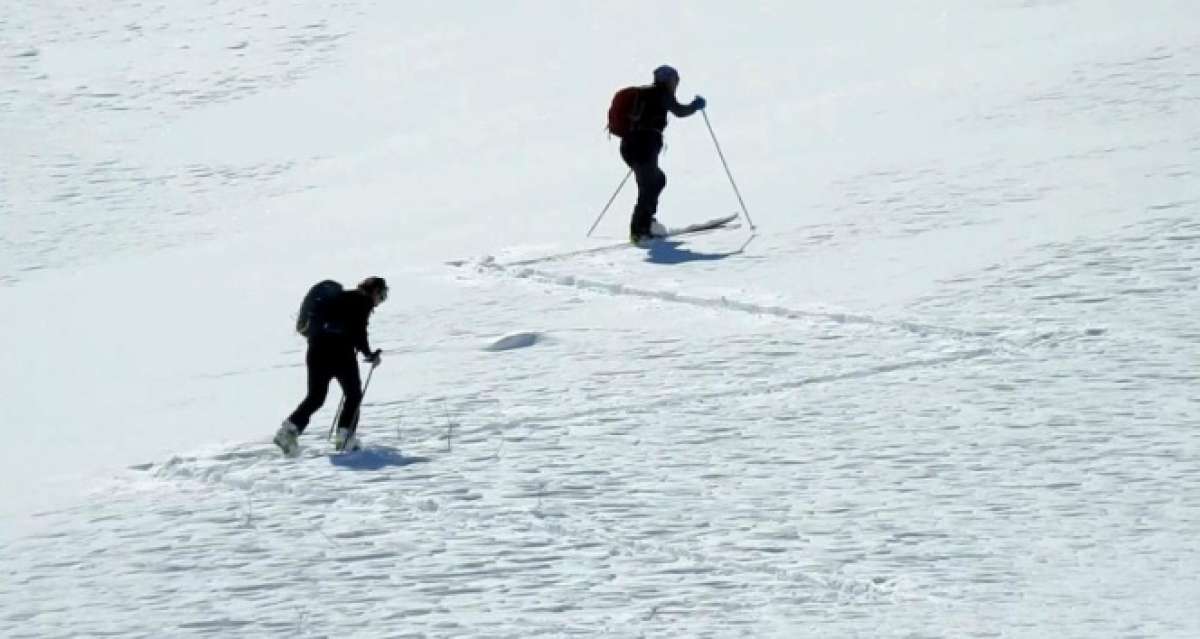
(375, 358)
(699, 102)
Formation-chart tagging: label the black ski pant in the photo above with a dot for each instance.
(326, 361)
(640, 151)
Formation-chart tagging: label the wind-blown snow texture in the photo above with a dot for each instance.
(949, 389)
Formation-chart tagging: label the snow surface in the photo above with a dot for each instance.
(949, 389)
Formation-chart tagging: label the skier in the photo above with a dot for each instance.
(640, 148)
(336, 328)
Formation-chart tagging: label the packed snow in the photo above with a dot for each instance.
(946, 387)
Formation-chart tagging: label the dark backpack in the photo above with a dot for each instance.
(315, 317)
(625, 111)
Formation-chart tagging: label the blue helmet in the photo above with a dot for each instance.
(665, 74)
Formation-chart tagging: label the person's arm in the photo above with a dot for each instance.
(359, 318)
(684, 110)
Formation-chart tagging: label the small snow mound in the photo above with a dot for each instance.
(28, 53)
(516, 340)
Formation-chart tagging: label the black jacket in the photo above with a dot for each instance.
(656, 100)
(346, 321)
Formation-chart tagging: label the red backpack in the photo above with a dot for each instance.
(625, 110)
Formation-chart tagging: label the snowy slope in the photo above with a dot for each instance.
(949, 389)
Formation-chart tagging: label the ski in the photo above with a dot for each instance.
(714, 223)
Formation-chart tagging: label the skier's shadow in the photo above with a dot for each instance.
(374, 458)
(669, 252)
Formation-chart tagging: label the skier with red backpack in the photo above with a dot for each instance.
(638, 116)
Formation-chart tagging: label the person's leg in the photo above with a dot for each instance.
(319, 375)
(647, 199)
(657, 181)
(348, 378)
(641, 155)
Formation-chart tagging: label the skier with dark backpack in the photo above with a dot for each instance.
(334, 321)
(638, 115)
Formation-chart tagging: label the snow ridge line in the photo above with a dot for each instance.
(490, 265)
(514, 415)
(861, 373)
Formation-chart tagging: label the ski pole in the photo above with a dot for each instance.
(610, 201)
(366, 385)
(342, 405)
(727, 172)
(336, 415)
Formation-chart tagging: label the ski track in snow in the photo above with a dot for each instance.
(722, 302)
